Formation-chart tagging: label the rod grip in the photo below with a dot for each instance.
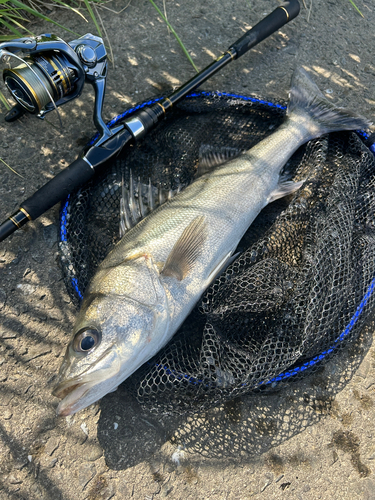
(271, 23)
(47, 196)
(58, 188)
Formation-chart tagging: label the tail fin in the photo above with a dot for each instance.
(322, 116)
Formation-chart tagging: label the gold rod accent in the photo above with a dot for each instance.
(162, 107)
(231, 54)
(167, 99)
(286, 12)
(14, 222)
(24, 212)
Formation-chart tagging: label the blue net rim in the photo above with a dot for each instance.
(367, 138)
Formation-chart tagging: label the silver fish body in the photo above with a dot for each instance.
(155, 275)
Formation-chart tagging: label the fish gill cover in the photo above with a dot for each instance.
(302, 286)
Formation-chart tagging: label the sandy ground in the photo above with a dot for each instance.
(314, 439)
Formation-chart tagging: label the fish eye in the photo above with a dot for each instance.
(86, 339)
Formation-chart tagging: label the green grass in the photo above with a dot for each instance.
(356, 8)
(15, 16)
(174, 33)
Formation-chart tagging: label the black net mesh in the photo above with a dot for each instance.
(301, 288)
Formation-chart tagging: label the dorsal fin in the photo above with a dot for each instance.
(211, 157)
(125, 216)
(139, 199)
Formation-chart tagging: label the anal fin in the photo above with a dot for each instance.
(283, 189)
(186, 249)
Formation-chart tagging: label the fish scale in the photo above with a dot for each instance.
(151, 280)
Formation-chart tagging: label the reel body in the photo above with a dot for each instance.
(52, 72)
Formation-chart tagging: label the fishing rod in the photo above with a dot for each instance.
(54, 73)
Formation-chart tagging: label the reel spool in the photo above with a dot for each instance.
(40, 81)
(52, 72)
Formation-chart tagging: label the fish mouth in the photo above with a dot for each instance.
(70, 392)
(78, 392)
(63, 389)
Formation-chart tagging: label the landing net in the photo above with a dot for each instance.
(300, 290)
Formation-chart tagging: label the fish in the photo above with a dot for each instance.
(155, 275)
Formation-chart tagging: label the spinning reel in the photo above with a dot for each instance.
(53, 72)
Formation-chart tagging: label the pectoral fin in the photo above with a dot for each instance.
(186, 250)
(283, 189)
